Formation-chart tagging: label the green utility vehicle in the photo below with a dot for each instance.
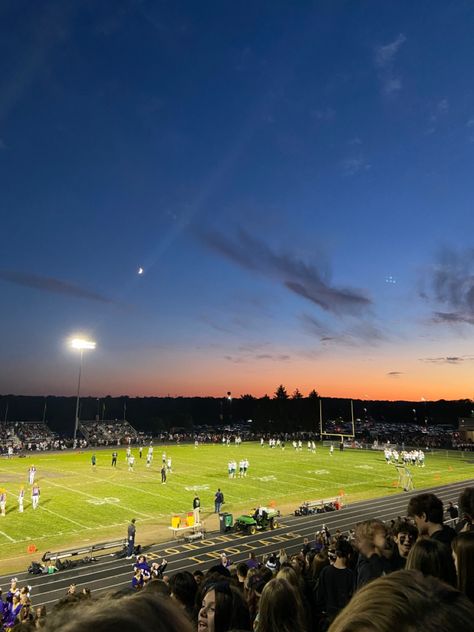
(263, 518)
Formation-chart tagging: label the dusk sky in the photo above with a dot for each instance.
(295, 179)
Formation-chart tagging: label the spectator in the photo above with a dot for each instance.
(252, 562)
(335, 585)
(466, 506)
(280, 608)
(371, 542)
(404, 535)
(463, 553)
(242, 572)
(140, 613)
(223, 608)
(406, 601)
(431, 557)
(183, 590)
(427, 512)
(452, 511)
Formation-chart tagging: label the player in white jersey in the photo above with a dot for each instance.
(31, 474)
(35, 496)
(128, 453)
(295, 445)
(246, 466)
(421, 458)
(388, 454)
(149, 458)
(21, 498)
(10, 452)
(168, 465)
(313, 447)
(241, 468)
(300, 445)
(131, 463)
(229, 468)
(262, 442)
(3, 501)
(331, 450)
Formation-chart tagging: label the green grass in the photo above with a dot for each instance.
(81, 504)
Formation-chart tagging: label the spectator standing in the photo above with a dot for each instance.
(371, 542)
(335, 586)
(427, 512)
(404, 535)
(131, 531)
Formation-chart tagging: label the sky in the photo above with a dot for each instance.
(295, 179)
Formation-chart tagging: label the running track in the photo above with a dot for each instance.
(109, 573)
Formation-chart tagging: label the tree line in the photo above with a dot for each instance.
(280, 412)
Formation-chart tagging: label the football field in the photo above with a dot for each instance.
(81, 504)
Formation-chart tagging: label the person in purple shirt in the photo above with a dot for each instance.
(252, 561)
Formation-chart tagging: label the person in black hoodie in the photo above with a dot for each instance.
(335, 585)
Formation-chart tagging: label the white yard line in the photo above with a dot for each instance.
(118, 505)
(54, 513)
(7, 536)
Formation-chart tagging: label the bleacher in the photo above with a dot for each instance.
(26, 435)
(108, 432)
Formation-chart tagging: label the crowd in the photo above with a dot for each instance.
(103, 433)
(28, 435)
(415, 573)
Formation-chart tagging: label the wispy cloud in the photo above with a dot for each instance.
(438, 112)
(448, 359)
(353, 166)
(384, 59)
(450, 283)
(394, 373)
(385, 54)
(359, 334)
(306, 280)
(50, 284)
(245, 358)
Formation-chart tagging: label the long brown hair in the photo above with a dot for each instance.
(432, 558)
(281, 608)
(463, 547)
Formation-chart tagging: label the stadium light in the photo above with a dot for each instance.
(80, 344)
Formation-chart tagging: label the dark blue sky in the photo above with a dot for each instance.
(295, 178)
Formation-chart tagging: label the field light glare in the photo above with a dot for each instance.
(81, 343)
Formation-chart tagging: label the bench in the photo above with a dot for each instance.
(85, 550)
(310, 507)
(192, 530)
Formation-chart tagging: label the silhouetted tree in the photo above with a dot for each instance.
(296, 394)
(313, 395)
(281, 393)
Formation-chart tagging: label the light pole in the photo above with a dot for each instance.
(80, 344)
